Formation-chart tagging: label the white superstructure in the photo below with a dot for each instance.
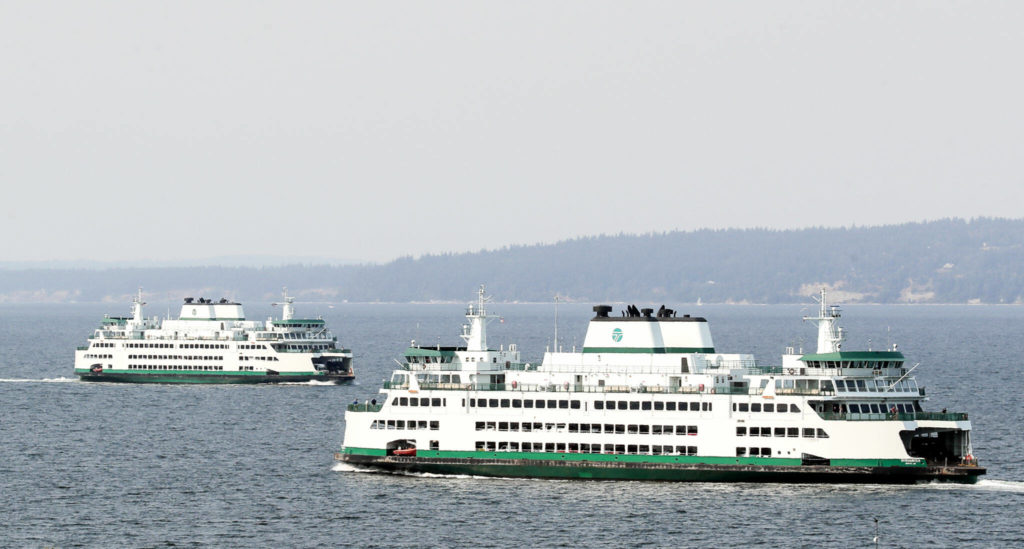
(649, 389)
(212, 342)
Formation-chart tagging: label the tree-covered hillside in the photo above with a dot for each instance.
(947, 261)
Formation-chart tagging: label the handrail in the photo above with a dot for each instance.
(364, 407)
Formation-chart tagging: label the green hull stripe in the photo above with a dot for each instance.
(854, 355)
(155, 376)
(81, 371)
(626, 458)
(649, 350)
(364, 451)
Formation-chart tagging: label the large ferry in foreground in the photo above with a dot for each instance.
(212, 342)
(650, 398)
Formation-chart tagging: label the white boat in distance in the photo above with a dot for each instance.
(212, 342)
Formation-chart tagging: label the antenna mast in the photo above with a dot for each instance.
(556, 322)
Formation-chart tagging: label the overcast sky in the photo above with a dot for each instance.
(371, 130)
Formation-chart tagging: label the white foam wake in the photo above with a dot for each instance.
(349, 468)
(1000, 485)
(987, 485)
(45, 380)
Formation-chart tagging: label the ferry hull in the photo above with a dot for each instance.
(337, 379)
(679, 472)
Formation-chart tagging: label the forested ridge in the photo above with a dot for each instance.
(945, 261)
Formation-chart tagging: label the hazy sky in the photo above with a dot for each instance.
(370, 130)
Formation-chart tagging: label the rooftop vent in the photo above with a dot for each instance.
(602, 310)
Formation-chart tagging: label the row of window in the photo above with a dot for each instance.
(299, 335)
(657, 405)
(873, 385)
(584, 448)
(429, 359)
(791, 432)
(853, 364)
(523, 403)
(180, 346)
(596, 428)
(763, 452)
(90, 355)
(249, 347)
(439, 378)
(173, 367)
(304, 347)
(103, 345)
(269, 358)
(765, 407)
(421, 401)
(405, 424)
(566, 404)
(873, 408)
(175, 357)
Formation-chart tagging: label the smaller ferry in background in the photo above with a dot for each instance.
(212, 342)
(649, 397)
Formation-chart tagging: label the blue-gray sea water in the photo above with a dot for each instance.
(106, 465)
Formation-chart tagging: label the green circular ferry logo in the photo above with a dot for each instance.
(617, 334)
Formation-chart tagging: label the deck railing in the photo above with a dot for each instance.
(365, 407)
(567, 387)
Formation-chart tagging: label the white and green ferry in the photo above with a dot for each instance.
(649, 397)
(212, 342)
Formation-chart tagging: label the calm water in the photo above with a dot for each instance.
(160, 466)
